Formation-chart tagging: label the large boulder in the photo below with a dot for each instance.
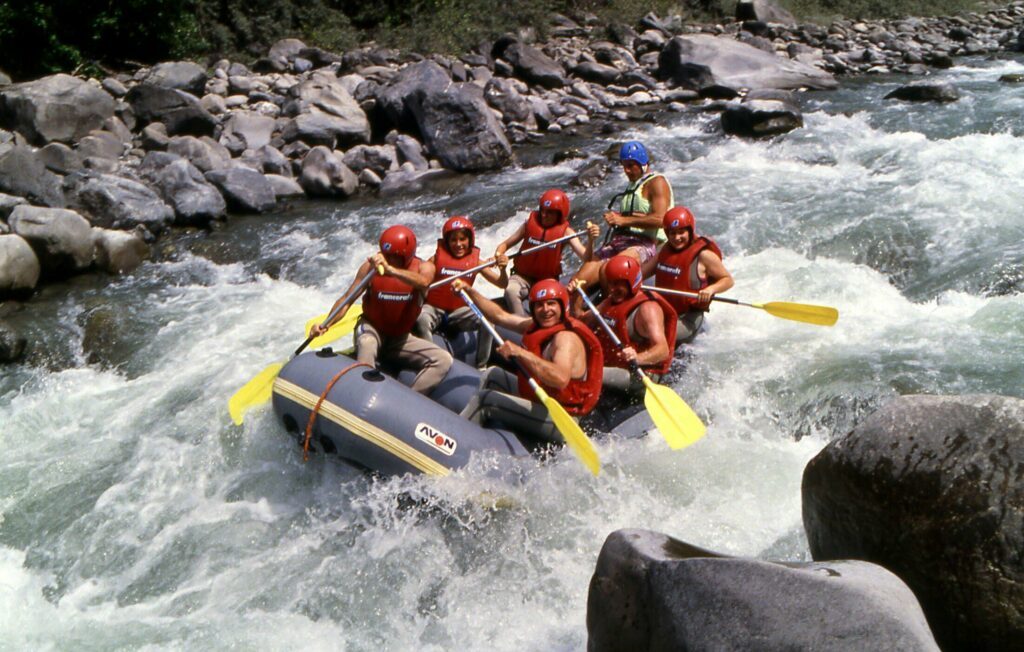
(23, 173)
(180, 112)
(379, 158)
(118, 252)
(932, 487)
(204, 153)
(7, 204)
(652, 592)
(925, 92)
(183, 187)
(61, 239)
(253, 129)
(245, 189)
(501, 93)
(19, 267)
(113, 201)
(767, 11)
(324, 175)
(737, 65)
(533, 66)
(59, 107)
(761, 117)
(402, 99)
(181, 75)
(460, 130)
(334, 109)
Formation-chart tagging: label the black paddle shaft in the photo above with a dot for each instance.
(356, 291)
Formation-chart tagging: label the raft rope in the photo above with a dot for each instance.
(320, 401)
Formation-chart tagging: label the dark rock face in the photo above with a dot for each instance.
(12, 344)
(502, 95)
(324, 175)
(180, 112)
(756, 118)
(402, 99)
(245, 190)
(596, 72)
(926, 92)
(461, 131)
(183, 187)
(535, 67)
(117, 202)
(652, 592)
(932, 488)
(738, 65)
(59, 107)
(61, 239)
(23, 173)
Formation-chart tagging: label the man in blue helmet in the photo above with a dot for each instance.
(636, 225)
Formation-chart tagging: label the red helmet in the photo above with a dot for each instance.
(679, 217)
(398, 240)
(624, 268)
(458, 223)
(549, 289)
(555, 199)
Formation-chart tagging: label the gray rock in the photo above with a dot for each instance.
(285, 187)
(596, 72)
(118, 252)
(272, 161)
(324, 175)
(254, 129)
(12, 344)
(501, 93)
(154, 136)
(318, 128)
(99, 164)
(737, 65)
(461, 131)
(534, 66)
(116, 202)
(767, 11)
(410, 150)
(59, 158)
(114, 87)
(756, 118)
(541, 112)
(180, 75)
(245, 190)
(652, 592)
(287, 48)
(206, 154)
(59, 107)
(185, 189)
(926, 92)
(5, 79)
(214, 103)
(932, 487)
(369, 178)
(322, 93)
(23, 173)
(60, 238)
(401, 100)
(180, 112)
(7, 204)
(434, 180)
(101, 144)
(378, 158)
(19, 267)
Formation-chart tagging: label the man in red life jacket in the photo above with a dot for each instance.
(549, 222)
(644, 322)
(558, 351)
(391, 304)
(456, 252)
(691, 264)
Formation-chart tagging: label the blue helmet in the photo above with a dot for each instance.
(634, 150)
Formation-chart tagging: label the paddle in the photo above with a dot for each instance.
(337, 331)
(578, 442)
(474, 270)
(259, 389)
(678, 423)
(805, 312)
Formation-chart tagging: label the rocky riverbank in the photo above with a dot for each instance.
(93, 171)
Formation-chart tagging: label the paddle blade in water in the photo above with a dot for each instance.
(337, 331)
(574, 436)
(820, 315)
(678, 423)
(254, 392)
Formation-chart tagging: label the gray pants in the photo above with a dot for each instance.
(432, 319)
(518, 289)
(498, 400)
(408, 351)
(623, 380)
(688, 325)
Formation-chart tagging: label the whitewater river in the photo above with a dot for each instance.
(134, 515)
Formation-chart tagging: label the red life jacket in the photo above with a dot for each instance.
(392, 305)
(447, 265)
(546, 263)
(617, 316)
(677, 270)
(580, 396)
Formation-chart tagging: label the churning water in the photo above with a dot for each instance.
(134, 515)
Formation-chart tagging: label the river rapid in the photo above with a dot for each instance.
(134, 515)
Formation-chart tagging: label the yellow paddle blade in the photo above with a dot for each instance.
(254, 392)
(339, 330)
(678, 423)
(805, 312)
(578, 441)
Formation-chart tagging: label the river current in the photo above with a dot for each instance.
(135, 515)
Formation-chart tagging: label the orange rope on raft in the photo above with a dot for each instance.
(320, 401)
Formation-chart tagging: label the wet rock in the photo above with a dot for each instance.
(154, 137)
(761, 117)
(535, 67)
(401, 100)
(59, 158)
(932, 487)
(184, 188)
(19, 267)
(435, 180)
(378, 158)
(180, 112)
(501, 93)
(652, 592)
(253, 129)
(285, 187)
(590, 174)
(206, 154)
(7, 204)
(246, 190)
(12, 344)
(763, 10)
(737, 65)
(118, 252)
(180, 75)
(461, 131)
(55, 108)
(117, 202)
(23, 173)
(1012, 78)
(107, 336)
(410, 150)
(324, 175)
(60, 238)
(101, 144)
(926, 92)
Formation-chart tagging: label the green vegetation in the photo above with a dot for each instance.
(38, 37)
